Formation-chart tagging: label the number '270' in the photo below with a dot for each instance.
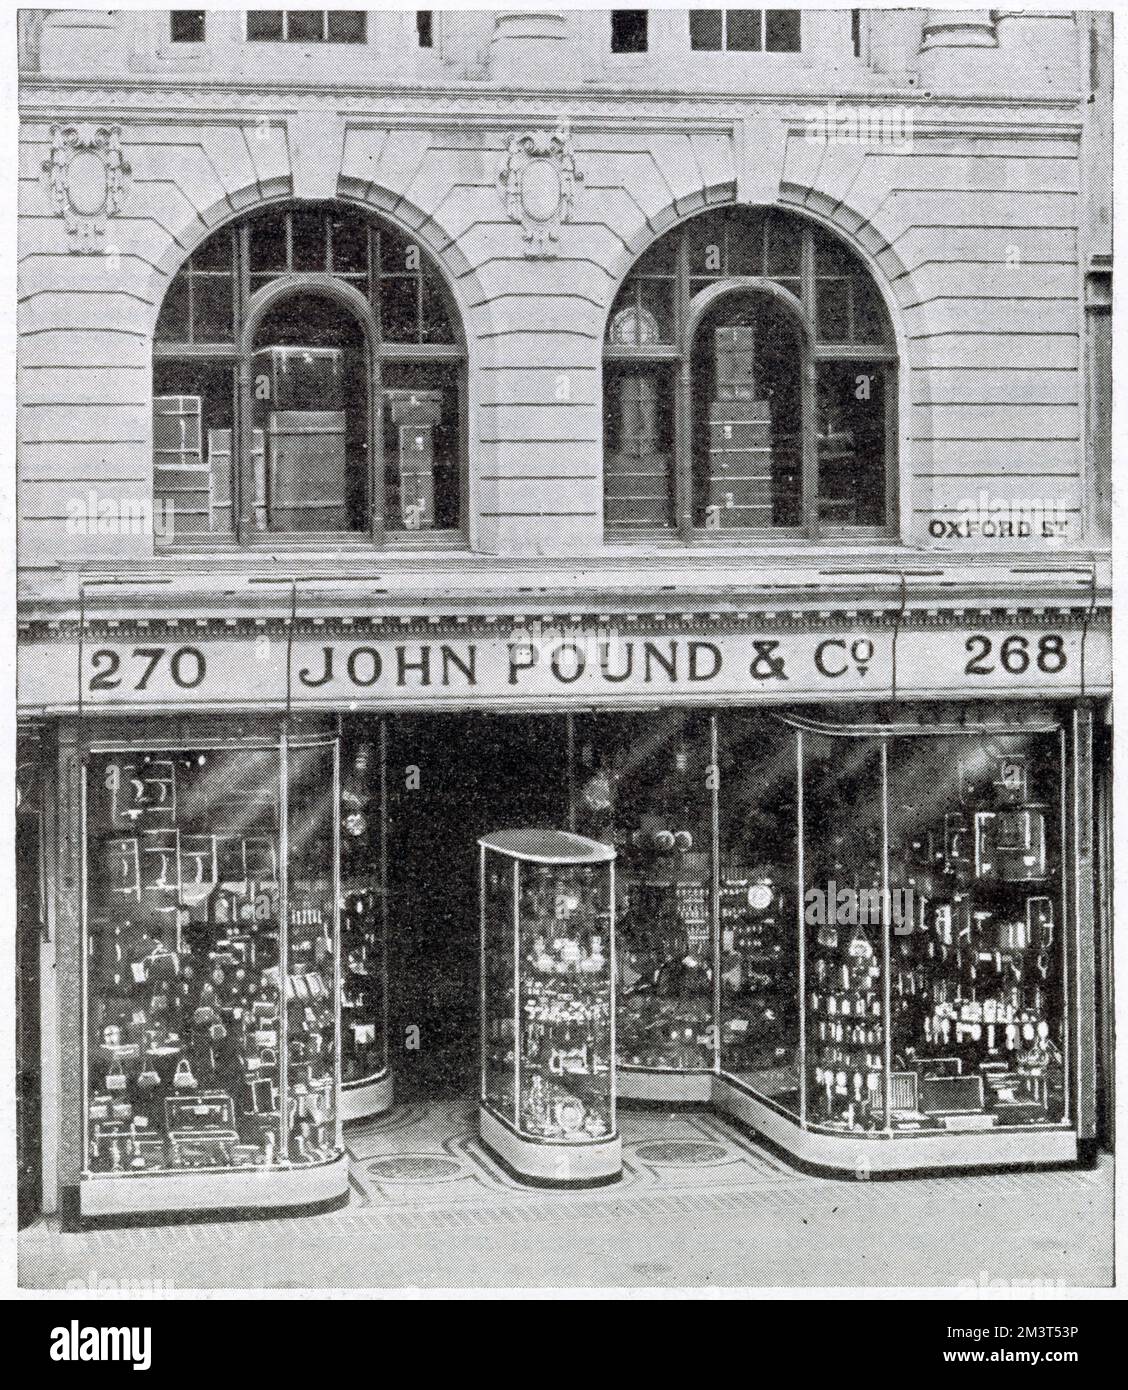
(186, 666)
(1016, 654)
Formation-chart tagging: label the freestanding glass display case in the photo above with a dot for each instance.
(548, 1011)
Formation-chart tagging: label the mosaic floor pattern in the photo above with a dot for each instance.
(430, 1154)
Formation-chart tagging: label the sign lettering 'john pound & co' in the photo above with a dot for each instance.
(582, 665)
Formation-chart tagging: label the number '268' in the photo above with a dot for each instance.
(1015, 654)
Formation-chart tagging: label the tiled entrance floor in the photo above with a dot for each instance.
(430, 1154)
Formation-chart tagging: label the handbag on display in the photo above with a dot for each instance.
(183, 1080)
(149, 1077)
(162, 964)
(115, 1077)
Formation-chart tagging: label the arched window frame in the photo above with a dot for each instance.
(689, 309)
(250, 305)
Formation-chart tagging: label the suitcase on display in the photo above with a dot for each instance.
(735, 357)
(415, 415)
(307, 456)
(740, 463)
(223, 481)
(181, 478)
(638, 473)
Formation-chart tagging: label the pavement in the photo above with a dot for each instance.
(701, 1205)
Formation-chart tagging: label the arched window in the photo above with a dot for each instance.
(749, 385)
(308, 380)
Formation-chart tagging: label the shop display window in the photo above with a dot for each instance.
(843, 818)
(642, 784)
(547, 960)
(211, 958)
(364, 983)
(977, 965)
(758, 920)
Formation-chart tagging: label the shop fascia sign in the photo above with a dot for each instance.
(350, 665)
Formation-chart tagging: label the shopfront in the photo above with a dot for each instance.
(861, 926)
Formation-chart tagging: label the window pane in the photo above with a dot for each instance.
(363, 912)
(304, 26)
(173, 325)
(264, 24)
(399, 308)
(661, 259)
(193, 475)
(350, 245)
(747, 412)
(745, 245)
(832, 298)
(422, 448)
(268, 243)
(843, 842)
(851, 443)
(869, 314)
(759, 1024)
(212, 309)
(785, 247)
(975, 855)
(311, 1004)
(705, 30)
(656, 301)
(307, 231)
(425, 28)
(345, 26)
(398, 254)
(215, 253)
(831, 257)
(643, 785)
(628, 31)
(310, 389)
(782, 31)
(436, 327)
(743, 30)
(186, 26)
(706, 240)
(638, 434)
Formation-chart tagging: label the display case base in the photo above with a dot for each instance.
(371, 1098)
(540, 1163)
(893, 1155)
(218, 1194)
(664, 1087)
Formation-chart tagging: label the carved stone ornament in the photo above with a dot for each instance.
(85, 178)
(538, 178)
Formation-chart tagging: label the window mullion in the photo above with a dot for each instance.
(809, 392)
(683, 422)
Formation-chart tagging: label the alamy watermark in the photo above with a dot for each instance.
(835, 906)
(91, 514)
(841, 123)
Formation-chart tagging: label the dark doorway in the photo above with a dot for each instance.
(452, 778)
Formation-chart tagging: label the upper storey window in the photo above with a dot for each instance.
(306, 26)
(629, 31)
(744, 31)
(187, 26)
(749, 385)
(308, 380)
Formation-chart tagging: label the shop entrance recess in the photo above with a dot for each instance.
(449, 780)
